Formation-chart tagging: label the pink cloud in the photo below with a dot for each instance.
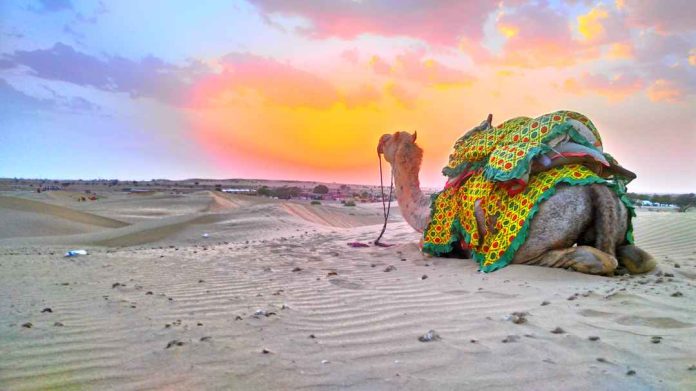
(614, 89)
(539, 36)
(672, 16)
(247, 77)
(415, 66)
(442, 23)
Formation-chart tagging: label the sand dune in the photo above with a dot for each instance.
(333, 216)
(169, 309)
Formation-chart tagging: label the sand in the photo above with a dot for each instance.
(155, 305)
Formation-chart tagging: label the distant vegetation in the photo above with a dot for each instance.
(320, 189)
(683, 201)
(315, 202)
(284, 192)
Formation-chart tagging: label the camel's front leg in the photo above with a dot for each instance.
(584, 259)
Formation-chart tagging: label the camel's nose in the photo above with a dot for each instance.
(380, 144)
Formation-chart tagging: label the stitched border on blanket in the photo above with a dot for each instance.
(505, 152)
(453, 220)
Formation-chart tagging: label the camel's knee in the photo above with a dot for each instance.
(590, 260)
(584, 259)
(634, 259)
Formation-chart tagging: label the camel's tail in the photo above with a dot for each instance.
(606, 215)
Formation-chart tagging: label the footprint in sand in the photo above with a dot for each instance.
(654, 322)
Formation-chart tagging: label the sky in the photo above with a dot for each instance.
(289, 89)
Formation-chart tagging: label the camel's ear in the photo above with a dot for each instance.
(415, 135)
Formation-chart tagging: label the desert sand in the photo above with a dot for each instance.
(274, 298)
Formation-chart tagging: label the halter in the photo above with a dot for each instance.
(385, 207)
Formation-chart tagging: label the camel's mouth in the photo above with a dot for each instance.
(380, 144)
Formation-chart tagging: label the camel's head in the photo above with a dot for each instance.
(391, 144)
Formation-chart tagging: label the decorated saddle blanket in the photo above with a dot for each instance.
(503, 174)
(510, 152)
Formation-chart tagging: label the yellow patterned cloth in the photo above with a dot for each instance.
(505, 152)
(453, 219)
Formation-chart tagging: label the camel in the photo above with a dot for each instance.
(582, 228)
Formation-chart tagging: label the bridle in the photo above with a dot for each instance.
(386, 207)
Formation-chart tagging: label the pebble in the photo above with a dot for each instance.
(601, 359)
(28, 325)
(203, 339)
(545, 303)
(297, 269)
(58, 324)
(677, 294)
(511, 338)
(676, 265)
(265, 351)
(390, 268)
(656, 339)
(174, 342)
(630, 372)
(558, 330)
(46, 310)
(593, 338)
(518, 317)
(424, 277)
(430, 336)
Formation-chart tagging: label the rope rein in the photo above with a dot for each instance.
(385, 207)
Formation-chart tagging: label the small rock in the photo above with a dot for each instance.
(558, 330)
(174, 342)
(297, 269)
(545, 303)
(593, 338)
(265, 351)
(329, 274)
(601, 359)
(390, 268)
(677, 294)
(424, 277)
(511, 338)
(430, 336)
(403, 259)
(203, 339)
(473, 340)
(28, 325)
(692, 367)
(201, 281)
(669, 275)
(199, 324)
(325, 361)
(116, 284)
(518, 317)
(58, 324)
(237, 317)
(148, 293)
(656, 339)
(630, 372)
(312, 336)
(677, 266)
(46, 310)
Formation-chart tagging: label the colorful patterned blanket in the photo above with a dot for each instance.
(506, 172)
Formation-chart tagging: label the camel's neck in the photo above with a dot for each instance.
(414, 205)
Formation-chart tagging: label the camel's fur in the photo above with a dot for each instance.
(591, 217)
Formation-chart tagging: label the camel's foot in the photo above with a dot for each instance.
(635, 260)
(584, 259)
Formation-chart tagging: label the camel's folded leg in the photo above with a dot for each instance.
(584, 259)
(635, 260)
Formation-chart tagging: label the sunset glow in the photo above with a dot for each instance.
(303, 90)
